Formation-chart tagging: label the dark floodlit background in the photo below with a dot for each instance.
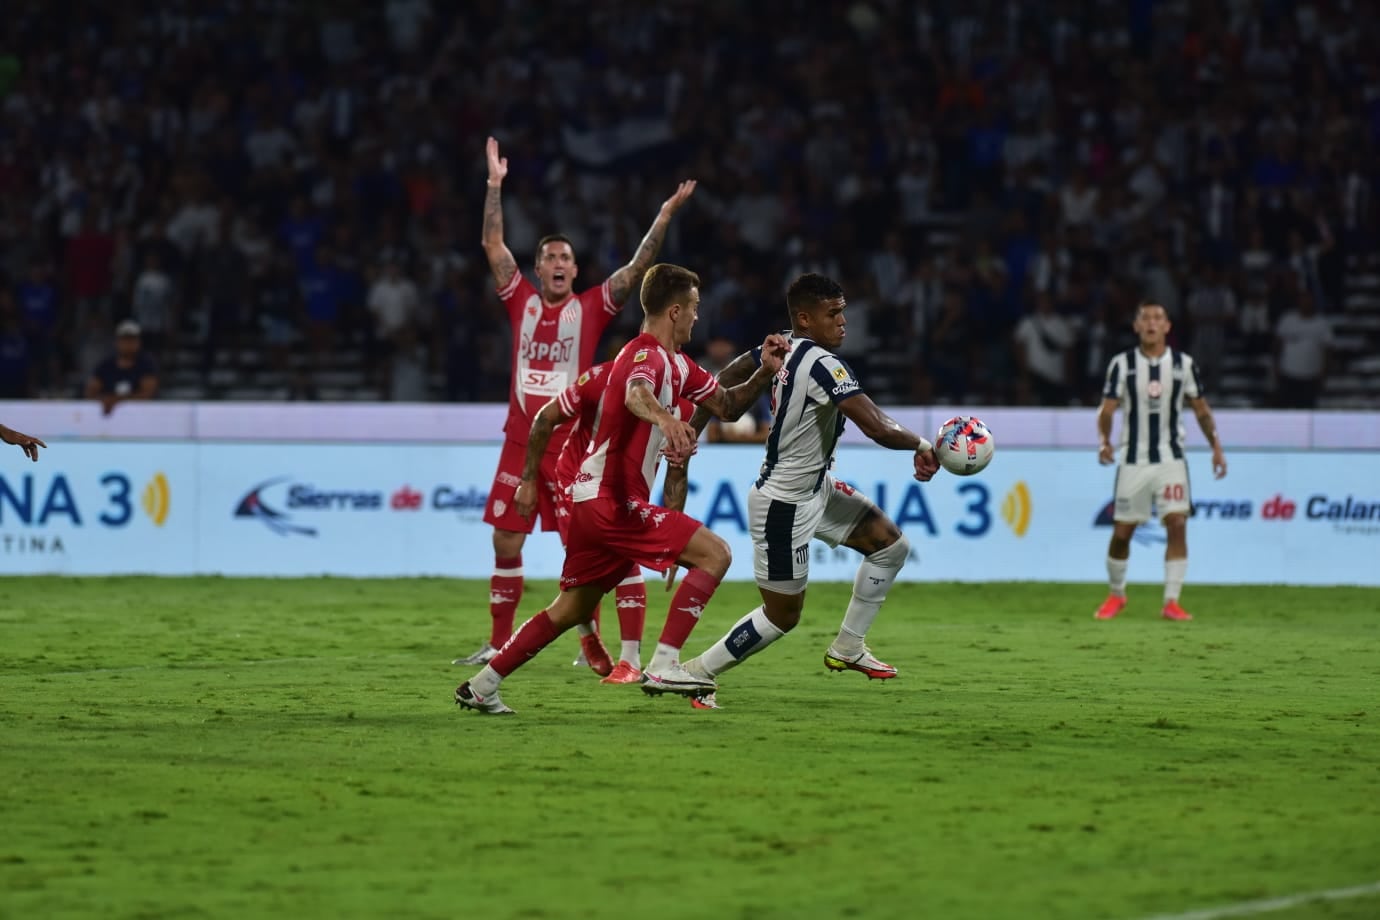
(244, 177)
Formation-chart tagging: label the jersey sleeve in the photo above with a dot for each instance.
(572, 397)
(699, 384)
(514, 296)
(648, 364)
(835, 378)
(1115, 384)
(1193, 379)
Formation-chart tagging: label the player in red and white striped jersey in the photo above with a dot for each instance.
(555, 334)
(614, 522)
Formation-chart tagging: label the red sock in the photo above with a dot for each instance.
(693, 595)
(632, 607)
(505, 593)
(533, 636)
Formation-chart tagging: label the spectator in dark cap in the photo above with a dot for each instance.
(127, 374)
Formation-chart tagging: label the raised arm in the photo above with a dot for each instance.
(501, 261)
(1208, 424)
(622, 281)
(548, 418)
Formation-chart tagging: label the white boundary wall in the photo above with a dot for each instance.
(388, 490)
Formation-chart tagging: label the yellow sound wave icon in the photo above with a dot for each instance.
(155, 499)
(1015, 508)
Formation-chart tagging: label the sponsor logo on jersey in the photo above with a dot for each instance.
(559, 350)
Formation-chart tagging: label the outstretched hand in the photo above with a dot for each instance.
(498, 166)
(27, 443)
(774, 350)
(926, 464)
(682, 194)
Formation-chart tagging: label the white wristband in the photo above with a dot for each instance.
(924, 446)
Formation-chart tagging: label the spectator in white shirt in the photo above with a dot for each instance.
(1302, 341)
(393, 302)
(1044, 343)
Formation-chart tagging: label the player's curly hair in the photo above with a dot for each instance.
(808, 290)
(665, 284)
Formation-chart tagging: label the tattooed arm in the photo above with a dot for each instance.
(678, 474)
(622, 281)
(738, 371)
(728, 404)
(501, 261)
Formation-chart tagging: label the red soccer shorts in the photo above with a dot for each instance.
(607, 534)
(500, 511)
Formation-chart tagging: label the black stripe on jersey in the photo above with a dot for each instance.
(1154, 417)
(778, 532)
(1132, 420)
(1113, 377)
(1176, 449)
(802, 348)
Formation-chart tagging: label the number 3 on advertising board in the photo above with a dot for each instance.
(977, 507)
(118, 483)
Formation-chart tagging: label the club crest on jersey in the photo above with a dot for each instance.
(640, 356)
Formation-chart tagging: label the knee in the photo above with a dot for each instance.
(720, 558)
(508, 543)
(893, 555)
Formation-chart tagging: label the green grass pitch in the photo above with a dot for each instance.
(289, 748)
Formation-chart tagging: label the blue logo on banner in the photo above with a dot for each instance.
(252, 506)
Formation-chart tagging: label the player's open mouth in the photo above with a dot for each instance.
(558, 276)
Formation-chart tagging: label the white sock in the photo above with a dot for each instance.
(486, 681)
(1116, 575)
(748, 636)
(664, 656)
(584, 629)
(1174, 571)
(632, 652)
(870, 586)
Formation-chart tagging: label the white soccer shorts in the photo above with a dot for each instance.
(1141, 486)
(781, 531)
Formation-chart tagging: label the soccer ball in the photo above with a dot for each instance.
(964, 445)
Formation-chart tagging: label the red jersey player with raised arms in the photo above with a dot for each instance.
(555, 334)
(613, 522)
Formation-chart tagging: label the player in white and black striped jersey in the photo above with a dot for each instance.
(796, 499)
(1150, 384)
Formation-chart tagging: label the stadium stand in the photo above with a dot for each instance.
(237, 175)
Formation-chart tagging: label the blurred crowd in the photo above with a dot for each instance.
(996, 184)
